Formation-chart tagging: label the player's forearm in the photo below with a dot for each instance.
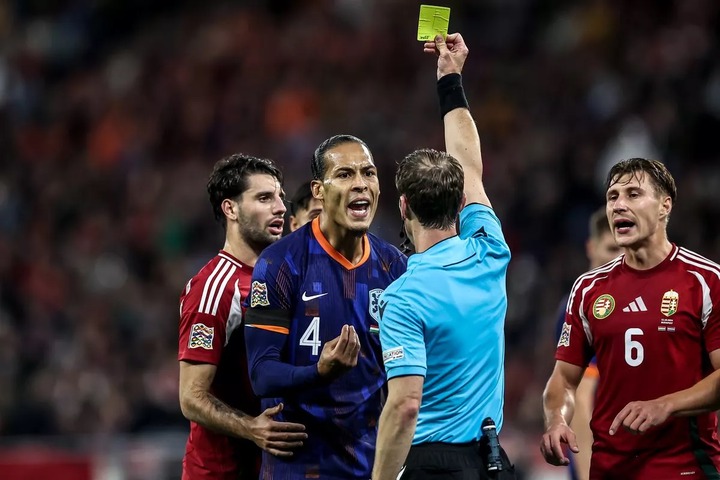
(702, 397)
(397, 427)
(269, 375)
(558, 402)
(272, 378)
(212, 413)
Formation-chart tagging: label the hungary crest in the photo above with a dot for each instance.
(669, 303)
(603, 306)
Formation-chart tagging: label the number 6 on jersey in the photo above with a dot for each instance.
(634, 352)
(311, 337)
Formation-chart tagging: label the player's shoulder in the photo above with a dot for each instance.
(221, 270)
(383, 247)
(695, 262)
(597, 278)
(386, 252)
(293, 244)
(221, 265)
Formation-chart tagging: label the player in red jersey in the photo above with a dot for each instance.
(648, 317)
(215, 393)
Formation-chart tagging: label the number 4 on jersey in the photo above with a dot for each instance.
(311, 337)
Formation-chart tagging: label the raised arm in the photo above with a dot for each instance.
(461, 136)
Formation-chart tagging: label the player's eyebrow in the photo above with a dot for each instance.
(269, 193)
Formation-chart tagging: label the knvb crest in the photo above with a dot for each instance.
(670, 302)
(603, 306)
(374, 303)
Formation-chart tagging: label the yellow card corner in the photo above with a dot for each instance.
(432, 20)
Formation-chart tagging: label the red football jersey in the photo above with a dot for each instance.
(210, 314)
(651, 332)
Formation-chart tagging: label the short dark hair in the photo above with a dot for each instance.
(433, 184)
(599, 224)
(319, 164)
(661, 178)
(301, 199)
(229, 179)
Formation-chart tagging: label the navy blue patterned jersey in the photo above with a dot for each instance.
(303, 291)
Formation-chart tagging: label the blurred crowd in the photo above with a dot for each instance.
(112, 114)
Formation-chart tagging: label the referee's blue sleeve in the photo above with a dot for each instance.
(401, 337)
(479, 221)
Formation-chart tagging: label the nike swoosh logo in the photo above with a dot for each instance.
(402, 470)
(307, 298)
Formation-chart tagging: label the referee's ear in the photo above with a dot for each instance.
(403, 206)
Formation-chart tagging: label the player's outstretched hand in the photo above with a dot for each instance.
(638, 417)
(451, 53)
(552, 444)
(339, 354)
(277, 438)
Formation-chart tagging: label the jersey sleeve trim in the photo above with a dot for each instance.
(270, 328)
(273, 320)
(334, 254)
(404, 371)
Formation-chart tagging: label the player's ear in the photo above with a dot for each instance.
(316, 187)
(666, 207)
(229, 208)
(402, 205)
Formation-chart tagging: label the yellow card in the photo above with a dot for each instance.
(433, 20)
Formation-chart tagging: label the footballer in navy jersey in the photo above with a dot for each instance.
(312, 320)
(320, 290)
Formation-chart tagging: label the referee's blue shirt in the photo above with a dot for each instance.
(444, 319)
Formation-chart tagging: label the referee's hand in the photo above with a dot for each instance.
(552, 444)
(339, 354)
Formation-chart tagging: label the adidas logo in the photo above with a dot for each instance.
(636, 305)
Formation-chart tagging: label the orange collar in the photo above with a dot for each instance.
(334, 254)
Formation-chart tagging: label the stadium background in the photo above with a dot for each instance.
(112, 113)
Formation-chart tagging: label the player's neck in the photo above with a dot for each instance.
(649, 255)
(424, 238)
(348, 243)
(241, 250)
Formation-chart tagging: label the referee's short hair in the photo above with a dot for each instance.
(433, 184)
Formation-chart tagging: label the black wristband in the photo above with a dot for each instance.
(450, 93)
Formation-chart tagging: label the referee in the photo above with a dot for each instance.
(442, 321)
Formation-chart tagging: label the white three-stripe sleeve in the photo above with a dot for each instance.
(707, 305)
(209, 282)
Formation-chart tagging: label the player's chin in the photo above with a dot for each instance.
(271, 237)
(624, 241)
(359, 227)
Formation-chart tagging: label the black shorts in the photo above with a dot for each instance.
(436, 461)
